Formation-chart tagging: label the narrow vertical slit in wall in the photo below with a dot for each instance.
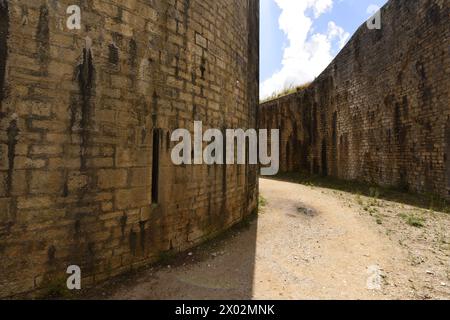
(155, 165)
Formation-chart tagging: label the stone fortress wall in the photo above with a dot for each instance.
(86, 118)
(380, 111)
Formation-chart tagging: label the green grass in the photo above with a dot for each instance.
(262, 202)
(286, 91)
(374, 192)
(359, 200)
(165, 257)
(56, 289)
(415, 221)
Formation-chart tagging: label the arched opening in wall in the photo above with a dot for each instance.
(155, 165)
(4, 25)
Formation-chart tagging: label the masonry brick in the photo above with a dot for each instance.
(113, 178)
(379, 111)
(46, 182)
(82, 108)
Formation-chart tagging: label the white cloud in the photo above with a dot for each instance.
(307, 53)
(320, 6)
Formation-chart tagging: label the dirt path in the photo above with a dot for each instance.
(308, 243)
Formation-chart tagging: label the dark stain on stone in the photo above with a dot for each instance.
(314, 126)
(77, 229)
(13, 132)
(203, 67)
(86, 79)
(343, 151)
(377, 35)
(73, 108)
(142, 112)
(113, 56)
(90, 256)
(65, 193)
(51, 254)
(389, 101)
(133, 61)
(177, 65)
(194, 112)
(186, 7)
(91, 249)
(4, 31)
(434, 14)
(420, 68)
(426, 96)
(133, 53)
(324, 158)
(168, 140)
(288, 156)
(133, 242)
(403, 180)
(447, 153)
(399, 129)
(43, 39)
(155, 98)
(142, 234)
(123, 224)
(405, 105)
(400, 78)
(334, 147)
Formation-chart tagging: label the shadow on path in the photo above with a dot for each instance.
(223, 268)
(425, 201)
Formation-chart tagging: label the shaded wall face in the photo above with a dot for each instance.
(380, 111)
(86, 118)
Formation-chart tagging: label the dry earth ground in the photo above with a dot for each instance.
(309, 243)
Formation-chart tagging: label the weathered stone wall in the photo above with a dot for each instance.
(380, 111)
(86, 117)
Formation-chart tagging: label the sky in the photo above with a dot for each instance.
(299, 38)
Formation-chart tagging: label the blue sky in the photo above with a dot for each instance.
(299, 38)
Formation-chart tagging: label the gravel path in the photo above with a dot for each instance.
(307, 243)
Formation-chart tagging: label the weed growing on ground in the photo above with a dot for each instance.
(376, 193)
(262, 202)
(413, 220)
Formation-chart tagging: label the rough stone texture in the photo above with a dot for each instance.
(86, 113)
(380, 111)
